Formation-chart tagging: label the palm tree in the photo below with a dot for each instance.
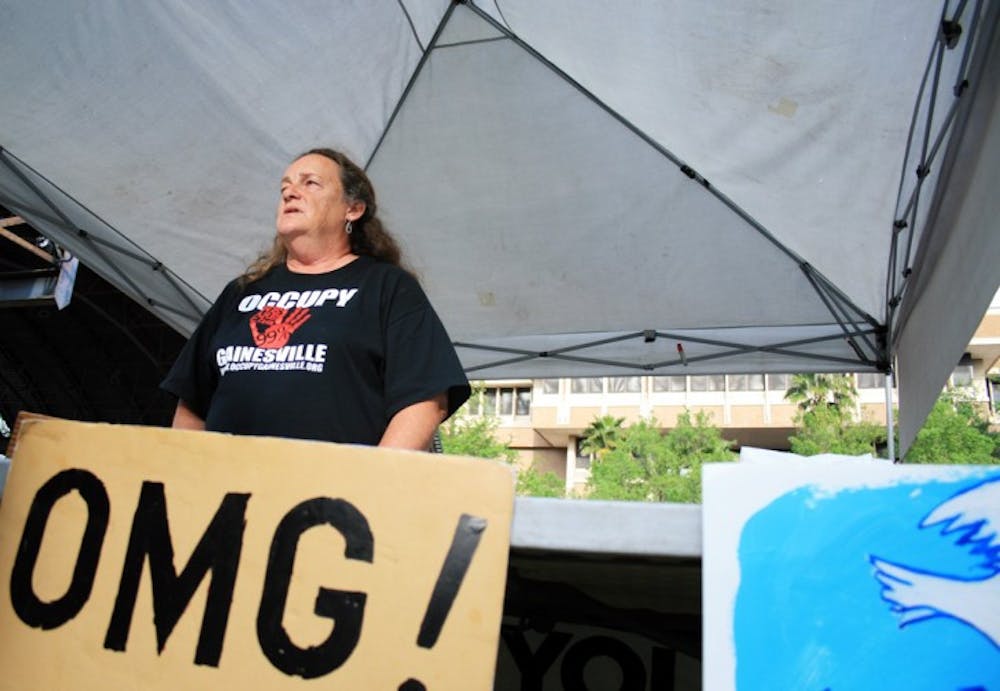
(810, 391)
(602, 435)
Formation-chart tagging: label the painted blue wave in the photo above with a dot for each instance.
(810, 615)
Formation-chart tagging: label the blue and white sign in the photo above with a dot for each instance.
(851, 574)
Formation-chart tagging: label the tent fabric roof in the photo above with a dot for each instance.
(723, 176)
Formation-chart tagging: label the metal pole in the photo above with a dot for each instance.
(888, 416)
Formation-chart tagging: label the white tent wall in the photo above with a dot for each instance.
(580, 189)
(958, 265)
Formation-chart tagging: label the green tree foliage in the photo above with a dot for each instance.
(645, 465)
(955, 432)
(476, 435)
(602, 435)
(826, 420)
(816, 390)
(825, 429)
(532, 482)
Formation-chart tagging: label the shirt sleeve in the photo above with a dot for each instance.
(194, 376)
(420, 360)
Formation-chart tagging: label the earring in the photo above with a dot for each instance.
(347, 228)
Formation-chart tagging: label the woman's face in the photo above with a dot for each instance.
(312, 199)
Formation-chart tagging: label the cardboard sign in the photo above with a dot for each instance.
(163, 559)
(851, 574)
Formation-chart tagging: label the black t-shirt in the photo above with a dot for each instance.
(330, 356)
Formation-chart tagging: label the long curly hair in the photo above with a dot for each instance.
(369, 237)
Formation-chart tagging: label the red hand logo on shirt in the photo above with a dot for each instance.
(273, 326)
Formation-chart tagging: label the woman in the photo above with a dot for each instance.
(326, 336)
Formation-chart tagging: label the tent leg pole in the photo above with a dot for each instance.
(888, 417)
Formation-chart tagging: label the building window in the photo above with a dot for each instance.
(961, 376)
(746, 382)
(582, 460)
(713, 382)
(501, 400)
(871, 380)
(624, 385)
(506, 401)
(549, 386)
(675, 384)
(587, 385)
(778, 382)
(522, 402)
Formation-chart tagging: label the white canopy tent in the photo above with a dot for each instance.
(655, 187)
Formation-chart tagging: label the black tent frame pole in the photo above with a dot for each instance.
(731, 348)
(62, 221)
(30, 184)
(900, 269)
(409, 20)
(878, 353)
